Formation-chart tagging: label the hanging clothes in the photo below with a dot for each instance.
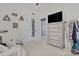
(70, 33)
(77, 27)
(75, 36)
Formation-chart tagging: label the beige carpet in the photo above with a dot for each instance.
(41, 48)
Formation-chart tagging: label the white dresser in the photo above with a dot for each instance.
(56, 34)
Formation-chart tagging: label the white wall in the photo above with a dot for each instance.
(23, 32)
(70, 12)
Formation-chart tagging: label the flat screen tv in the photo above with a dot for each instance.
(56, 17)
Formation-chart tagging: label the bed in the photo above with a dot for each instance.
(16, 50)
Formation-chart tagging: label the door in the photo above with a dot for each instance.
(43, 27)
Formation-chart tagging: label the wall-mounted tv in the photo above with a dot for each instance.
(56, 17)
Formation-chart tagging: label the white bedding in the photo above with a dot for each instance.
(14, 51)
(3, 48)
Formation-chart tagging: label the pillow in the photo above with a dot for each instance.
(11, 43)
(3, 48)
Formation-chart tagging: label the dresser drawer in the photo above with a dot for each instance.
(54, 42)
(54, 25)
(54, 29)
(54, 38)
(54, 34)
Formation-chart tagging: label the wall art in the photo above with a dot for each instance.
(6, 18)
(15, 25)
(21, 18)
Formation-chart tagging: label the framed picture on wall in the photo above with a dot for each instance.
(14, 14)
(21, 18)
(6, 18)
(15, 25)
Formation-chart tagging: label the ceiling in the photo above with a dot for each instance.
(32, 6)
(39, 7)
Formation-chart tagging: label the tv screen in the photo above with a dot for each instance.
(56, 17)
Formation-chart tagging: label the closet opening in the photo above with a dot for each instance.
(43, 27)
